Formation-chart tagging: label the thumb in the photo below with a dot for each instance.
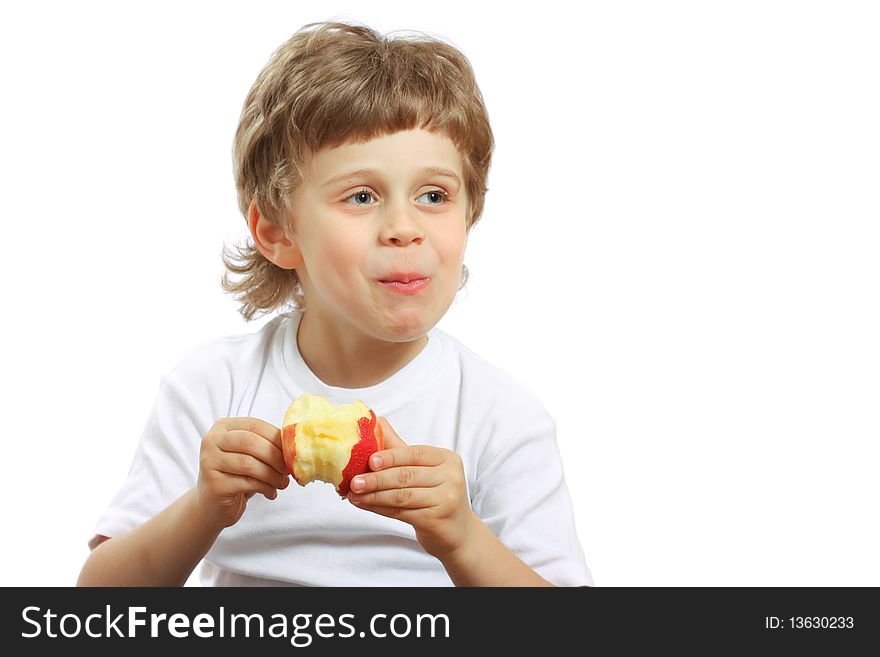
(389, 435)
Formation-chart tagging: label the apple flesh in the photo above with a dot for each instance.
(322, 442)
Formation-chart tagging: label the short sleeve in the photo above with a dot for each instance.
(165, 464)
(521, 495)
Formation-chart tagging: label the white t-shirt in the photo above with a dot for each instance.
(446, 396)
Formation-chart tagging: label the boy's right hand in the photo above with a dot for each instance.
(239, 456)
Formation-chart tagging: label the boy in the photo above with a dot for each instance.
(361, 165)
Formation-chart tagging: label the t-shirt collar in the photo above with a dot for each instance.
(384, 397)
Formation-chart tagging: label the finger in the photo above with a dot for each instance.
(247, 442)
(236, 463)
(410, 516)
(403, 498)
(237, 484)
(255, 425)
(392, 439)
(424, 455)
(404, 476)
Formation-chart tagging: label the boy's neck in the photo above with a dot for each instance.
(344, 361)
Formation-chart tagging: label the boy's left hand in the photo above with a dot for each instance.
(422, 485)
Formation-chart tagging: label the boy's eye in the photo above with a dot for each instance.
(438, 196)
(362, 197)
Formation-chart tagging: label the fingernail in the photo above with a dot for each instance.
(357, 483)
(375, 461)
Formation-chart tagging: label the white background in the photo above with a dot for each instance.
(679, 254)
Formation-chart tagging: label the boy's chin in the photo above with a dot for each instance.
(408, 328)
(401, 335)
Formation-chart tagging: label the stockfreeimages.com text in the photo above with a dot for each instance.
(300, 629)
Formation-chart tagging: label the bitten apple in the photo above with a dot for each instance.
(322, 442)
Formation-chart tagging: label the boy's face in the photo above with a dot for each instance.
(363, 234)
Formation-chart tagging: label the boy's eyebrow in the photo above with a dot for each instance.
(434, 171)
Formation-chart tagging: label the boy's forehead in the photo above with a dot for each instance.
(400, 153)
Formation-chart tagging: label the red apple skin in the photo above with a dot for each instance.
(288, 447)
(371, 441)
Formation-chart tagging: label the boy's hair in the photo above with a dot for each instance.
(335, 84)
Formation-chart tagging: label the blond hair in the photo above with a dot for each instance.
(331, 85)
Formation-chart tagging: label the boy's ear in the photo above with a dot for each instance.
(272, 241)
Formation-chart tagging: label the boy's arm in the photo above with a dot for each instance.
(238, 457)
(425, 486)
(161, 552)
(483, 560)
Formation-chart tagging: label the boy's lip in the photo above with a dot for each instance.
(402, 277)
(405, 283)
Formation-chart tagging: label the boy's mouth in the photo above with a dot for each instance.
(405, 283)
(403, 277)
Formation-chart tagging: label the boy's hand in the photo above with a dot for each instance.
(239, 456)
(422, 485)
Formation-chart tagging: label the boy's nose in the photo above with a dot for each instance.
(400, 227)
